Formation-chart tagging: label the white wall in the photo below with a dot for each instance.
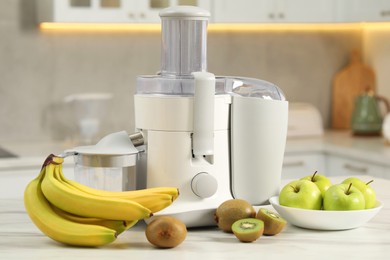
(377, 55)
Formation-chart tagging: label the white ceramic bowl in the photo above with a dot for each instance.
(325, 219)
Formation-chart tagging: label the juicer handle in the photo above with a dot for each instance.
(203, 114)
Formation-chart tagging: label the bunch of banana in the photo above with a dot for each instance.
(74, 214)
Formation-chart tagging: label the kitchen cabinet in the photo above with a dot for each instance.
(296, 166)
(273, 11)
(337, 165)
(16, 174)
(363, 11)
(108, 11)
(222, 11)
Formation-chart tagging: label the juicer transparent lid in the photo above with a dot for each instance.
(243, 86)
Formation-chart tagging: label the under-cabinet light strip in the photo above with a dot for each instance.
(107, 27)
(234, 27)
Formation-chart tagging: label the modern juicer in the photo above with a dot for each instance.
(215, 138)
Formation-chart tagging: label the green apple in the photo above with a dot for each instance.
(322, 182)
(301, 194)
(343, 197)
(365, 188)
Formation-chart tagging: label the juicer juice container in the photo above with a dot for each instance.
(213, 137)
(110, 164)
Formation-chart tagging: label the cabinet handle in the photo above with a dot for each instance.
(294, 164)
(355, 168)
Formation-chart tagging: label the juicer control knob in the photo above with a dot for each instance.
(204, 185)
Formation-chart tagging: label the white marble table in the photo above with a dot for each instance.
(20, 239)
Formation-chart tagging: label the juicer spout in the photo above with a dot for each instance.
(203, 114)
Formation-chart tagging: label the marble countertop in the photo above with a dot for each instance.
(20, 239)
(342, 143)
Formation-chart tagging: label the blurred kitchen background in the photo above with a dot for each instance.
(39, 68)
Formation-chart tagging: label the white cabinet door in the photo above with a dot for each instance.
(305, 11)
(86, 11)
(339, 166)
(14, 179)
(363, 10)
(108, 11)
(93, 11)
(242, 11)
(301, 165)
(13, 183)
(273, 11)
(147, 11)
(386, 174)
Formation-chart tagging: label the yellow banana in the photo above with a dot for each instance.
(133, 194)
(59, 228)
(87, 205)
(153, 201)
(118, 225)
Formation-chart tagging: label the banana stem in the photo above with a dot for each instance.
(51, 160)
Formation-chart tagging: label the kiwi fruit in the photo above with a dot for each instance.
(273, 222)
(166, 232)
(232, 210)
(248, 229)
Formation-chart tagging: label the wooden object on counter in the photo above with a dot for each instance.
(348, 83)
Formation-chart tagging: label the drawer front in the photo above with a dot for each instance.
(338, 166)
(14, 181)
(386, 174)
(298, 166)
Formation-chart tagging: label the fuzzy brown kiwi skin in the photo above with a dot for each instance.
(166, 232)
(272, 226)
(232, 210)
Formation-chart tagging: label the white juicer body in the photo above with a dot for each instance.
(249, 142)
(203, 182)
